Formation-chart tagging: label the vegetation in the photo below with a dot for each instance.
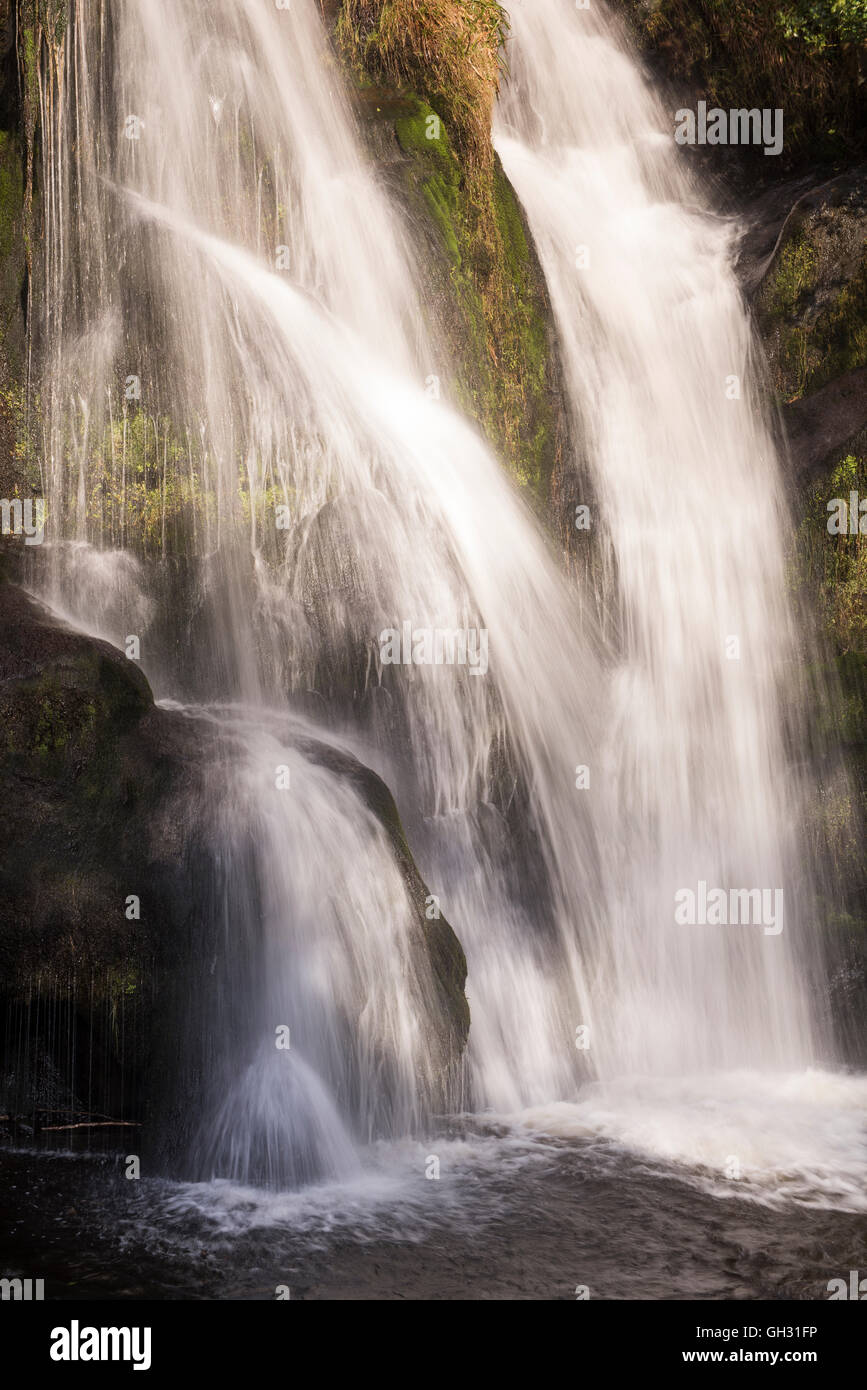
(824, 24)
(440, 63)
(832, 574)
(11, 318)
(449, 50)
(814, 316)
(804, 56)
(837, 564)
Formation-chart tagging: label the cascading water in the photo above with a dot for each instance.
(237, 285)
(662, 382)
(234, 336)
(706, 1026)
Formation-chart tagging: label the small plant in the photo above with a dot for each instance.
(452, 48)
(825, 23)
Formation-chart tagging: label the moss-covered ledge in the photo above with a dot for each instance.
(428, 71)
(812, 303)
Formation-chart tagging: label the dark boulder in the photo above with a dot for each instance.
(105, 796)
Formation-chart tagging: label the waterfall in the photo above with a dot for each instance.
(233, 330)
(672, 444)
(248, 474)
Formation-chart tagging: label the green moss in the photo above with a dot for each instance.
(834, 568)
(421, 131)
(122, 980)
(50, 734)
(840, 337)
(64, 712)
(441, 204)
(815, 330)
(41, 29)
(511, 226)
(794, 277)
(11, 192)
(831, 572)
(436, 66)
(824, 24)
(493, 300)
(448, 50)
(29, 57)
(12, 267)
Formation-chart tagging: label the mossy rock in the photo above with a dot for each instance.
(812, 304)
(447, 50)
(834, 566)
(480, 279)
(830, 577)
(427, 74)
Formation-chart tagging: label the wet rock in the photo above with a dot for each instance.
(820, 427)
(106, 798)
(811, 300)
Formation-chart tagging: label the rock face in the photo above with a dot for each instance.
(13, 475)
(806, 269)
(812, 300)
(103, 801)
(804, 264)
(426, 78)
(83, 773)
(820, 426)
